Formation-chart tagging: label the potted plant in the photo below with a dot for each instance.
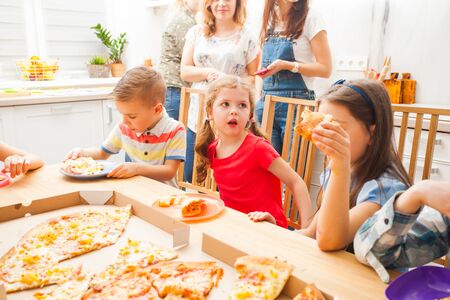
(98, 67)
(115, 46)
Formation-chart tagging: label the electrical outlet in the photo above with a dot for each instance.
(351, 63)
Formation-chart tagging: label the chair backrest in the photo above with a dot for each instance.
(422, 121)
(209, 185)
(298, 152)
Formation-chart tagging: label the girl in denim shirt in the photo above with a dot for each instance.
(364, 170)
(294, 51)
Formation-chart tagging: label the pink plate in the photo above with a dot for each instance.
(4, 180)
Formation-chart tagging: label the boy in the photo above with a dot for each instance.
(16, 161)
(154, 143)
(411, 229)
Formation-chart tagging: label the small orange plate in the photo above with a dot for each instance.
(212, 207)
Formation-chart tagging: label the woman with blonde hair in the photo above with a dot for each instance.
(221, 45)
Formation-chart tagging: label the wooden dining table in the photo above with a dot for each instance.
(336, 273)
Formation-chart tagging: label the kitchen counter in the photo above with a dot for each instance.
(59, 83)
(58, 95)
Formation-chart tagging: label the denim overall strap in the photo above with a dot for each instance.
(277, 47)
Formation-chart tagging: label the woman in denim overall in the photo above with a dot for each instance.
(285, 78)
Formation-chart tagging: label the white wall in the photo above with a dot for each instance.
(415, 35)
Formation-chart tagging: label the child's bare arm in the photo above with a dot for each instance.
(95, 153)
(161, 173)
(297, 186)
(17, 161)
(431, 193)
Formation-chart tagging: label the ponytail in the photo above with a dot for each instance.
(204, 138)
(253, 128)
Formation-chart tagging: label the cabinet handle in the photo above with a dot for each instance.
(110, 113)
(61, 109)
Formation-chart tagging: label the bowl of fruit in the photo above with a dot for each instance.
(36, 69)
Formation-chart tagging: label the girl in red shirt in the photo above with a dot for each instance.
(247, 169)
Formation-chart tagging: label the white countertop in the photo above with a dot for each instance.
(58, 95)
(58, 83)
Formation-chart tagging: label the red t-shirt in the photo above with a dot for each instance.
(244, 182)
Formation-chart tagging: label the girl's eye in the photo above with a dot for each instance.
(243, 105)
(132, 117)
(225, 104)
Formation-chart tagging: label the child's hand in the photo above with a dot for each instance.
(259, 216)
(16, 165)
(125, 170)
(334, 142)
(74, 154)
(431, 193)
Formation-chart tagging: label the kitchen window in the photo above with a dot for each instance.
(50, 29)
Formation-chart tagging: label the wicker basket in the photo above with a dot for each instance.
(36, 69)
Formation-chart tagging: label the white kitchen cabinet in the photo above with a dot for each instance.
(111, 117)
(6, 125)
(52, 130)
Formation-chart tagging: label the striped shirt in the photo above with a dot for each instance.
(165, 141)
(391, 239)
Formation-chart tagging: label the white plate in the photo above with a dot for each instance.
(108, 166)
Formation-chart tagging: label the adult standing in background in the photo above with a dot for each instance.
(173, 38)
(221, 45)
(294, 50)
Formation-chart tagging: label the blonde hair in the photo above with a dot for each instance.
(209, 21)
(141, 83)
(206, 136)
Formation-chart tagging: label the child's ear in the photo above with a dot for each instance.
(372, 132)
(158, 108)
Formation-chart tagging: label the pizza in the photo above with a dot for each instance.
(136, 254)
(310, 293)
(192, 207)
(171, 200)
(83, 166)
(72, 289)
(34, 261)
(185, 280)
(309, 121)
(259, 278)
(133, 284)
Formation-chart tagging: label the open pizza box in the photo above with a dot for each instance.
(145, 224)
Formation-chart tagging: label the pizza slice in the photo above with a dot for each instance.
(192, 207)
(134, 284)
(34, 261)
(83, 166)
(309, 121)
(73, 289)
(310, 293)
(259, 278)
(185, 280)
(19, 280)
(133, 255)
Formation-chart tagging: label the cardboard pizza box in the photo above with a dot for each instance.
(228, 254)
(145, 224)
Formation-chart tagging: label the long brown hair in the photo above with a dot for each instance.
(381, 154)
(209, 21)
(296, 19)
(206, 136)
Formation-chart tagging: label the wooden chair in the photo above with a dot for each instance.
(209, 185)
(298, 152)
(414, 117)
